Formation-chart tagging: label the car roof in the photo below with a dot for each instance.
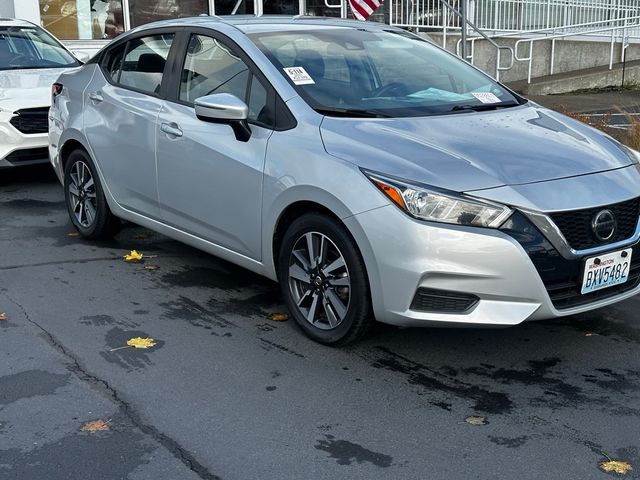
(264, 22)
(14, 22)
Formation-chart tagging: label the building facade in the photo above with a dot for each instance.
(98, 20)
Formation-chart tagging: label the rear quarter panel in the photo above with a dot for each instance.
(66, 114)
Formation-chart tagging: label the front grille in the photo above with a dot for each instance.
(575, 225)
(31, 120)
(562, 278)
(442, 301)
(28, 155)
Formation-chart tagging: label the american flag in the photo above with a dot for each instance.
(363, 8)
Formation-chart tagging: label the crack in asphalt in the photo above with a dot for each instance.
(76, 368)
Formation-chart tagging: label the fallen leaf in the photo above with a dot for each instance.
(95, 426)
(590, 334)
(151, 267)
(615, 466)
(73, 234)
(133, 256)
(279, 317)
(476, 420)
(139, 342)
(3, 316)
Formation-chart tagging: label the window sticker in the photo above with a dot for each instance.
(486, 97)
(299, 76)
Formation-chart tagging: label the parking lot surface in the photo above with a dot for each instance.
(228, 393)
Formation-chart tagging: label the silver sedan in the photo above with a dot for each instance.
(371, 173)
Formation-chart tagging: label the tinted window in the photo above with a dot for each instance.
(31, 47)
(144, 62)
(211, 67)
(112, 62)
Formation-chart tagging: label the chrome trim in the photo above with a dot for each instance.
(551, 231)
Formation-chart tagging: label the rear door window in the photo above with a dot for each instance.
(143, 65)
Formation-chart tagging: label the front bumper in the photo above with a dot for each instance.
(403, 254)
(20, 149)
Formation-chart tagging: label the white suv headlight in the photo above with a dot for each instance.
(438, 206)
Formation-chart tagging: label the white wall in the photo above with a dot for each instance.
(26, 10)
(6, 9)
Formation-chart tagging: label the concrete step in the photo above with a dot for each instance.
(595, 77)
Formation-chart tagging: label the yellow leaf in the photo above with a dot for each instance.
(476, 420)
(615, 466)
(139, 342)
(3, 316)
(134, 256)
(279, 317)
(95, 426)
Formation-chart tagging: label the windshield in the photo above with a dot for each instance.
(31, 47)
(349, 72)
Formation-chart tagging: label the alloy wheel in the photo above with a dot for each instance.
(319, 280)
(82, 193)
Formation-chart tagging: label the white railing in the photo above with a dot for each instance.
(503, 16)
(617, 31)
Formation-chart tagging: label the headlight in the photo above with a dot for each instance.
(438, 206)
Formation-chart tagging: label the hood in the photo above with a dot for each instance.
(475, 150)
(27, 88)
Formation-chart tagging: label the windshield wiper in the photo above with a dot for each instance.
(481, 107)
(350, 112)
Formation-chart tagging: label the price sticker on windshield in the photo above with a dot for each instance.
(299, 76)
(486, 97)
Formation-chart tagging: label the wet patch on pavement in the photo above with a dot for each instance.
(183, 308)
(105, 321)
(556, 391)
(30, 383)
(258, 305)
(269, 345)
(101, 456)
(436, 382)
(129, 358)
(227, 277)
(346, 452)
(508, 442)
(4, 426)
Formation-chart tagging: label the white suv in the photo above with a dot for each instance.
(30, 61)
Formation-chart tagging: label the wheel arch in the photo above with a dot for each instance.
(290, 214)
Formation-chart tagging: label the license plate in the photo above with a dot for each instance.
(606, 270)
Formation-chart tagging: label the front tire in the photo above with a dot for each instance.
(84, 196)
(324, 280)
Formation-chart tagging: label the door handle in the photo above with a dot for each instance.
(96, 97)
(171, 129)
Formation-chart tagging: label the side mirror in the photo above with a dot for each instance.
(83, 57)
(225, 108)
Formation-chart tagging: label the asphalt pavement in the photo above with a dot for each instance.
(227, 393)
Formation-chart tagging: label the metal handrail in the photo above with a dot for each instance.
(499, 48)
(612, 30)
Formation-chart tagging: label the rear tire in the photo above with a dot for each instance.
(324, 280)
(84, 196)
